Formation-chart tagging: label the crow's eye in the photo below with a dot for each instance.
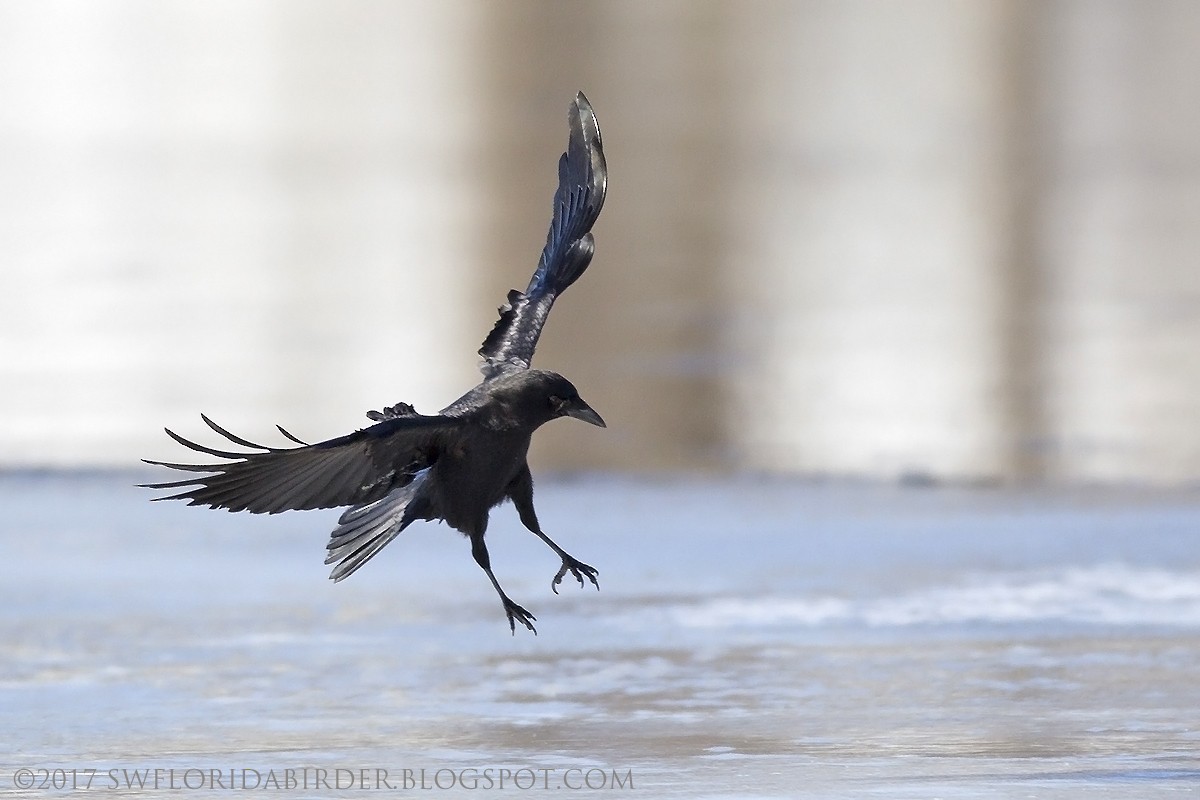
(557, 404)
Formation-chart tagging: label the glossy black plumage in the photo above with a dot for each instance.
(582, 183)
(455, 465)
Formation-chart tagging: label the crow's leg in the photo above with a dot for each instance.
(524, 504)
(514, 612)
(520, 491)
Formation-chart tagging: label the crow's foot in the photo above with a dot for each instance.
(517, 614)
(577, 568)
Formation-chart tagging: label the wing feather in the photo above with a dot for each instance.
(365, 530)
(582, 184)
(289, 436)
(349, 470)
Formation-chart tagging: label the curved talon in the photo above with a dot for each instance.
(517, 614)
(579, 570)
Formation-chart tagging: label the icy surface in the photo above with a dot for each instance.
(751, 639)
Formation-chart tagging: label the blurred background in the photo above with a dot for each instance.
(922, 240)
(943, 253)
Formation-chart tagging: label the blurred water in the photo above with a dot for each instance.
(752, 639)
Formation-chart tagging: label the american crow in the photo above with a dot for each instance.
(453, 466)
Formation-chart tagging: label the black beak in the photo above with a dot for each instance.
(581, 410)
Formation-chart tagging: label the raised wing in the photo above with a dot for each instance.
(582, 182)
(350, 470)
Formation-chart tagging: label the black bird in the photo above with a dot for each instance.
(453, 466)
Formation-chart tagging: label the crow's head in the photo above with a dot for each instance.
(541, 395)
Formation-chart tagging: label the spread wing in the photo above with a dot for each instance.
(582, 182)
(361, 467)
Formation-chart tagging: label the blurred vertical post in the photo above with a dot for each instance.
(872, 207)
(263, 211)
(1020, 186)
(375, 155)
(639, 333)
(1122, 229)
